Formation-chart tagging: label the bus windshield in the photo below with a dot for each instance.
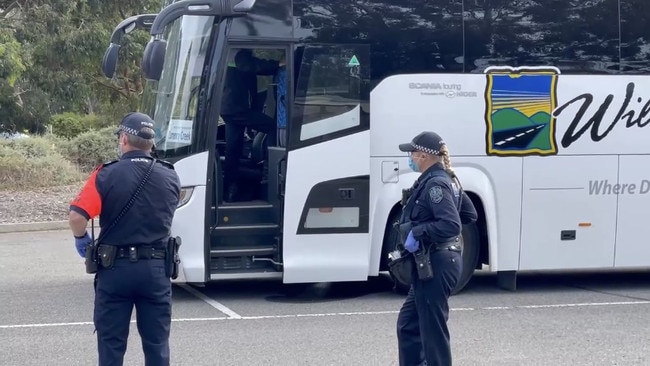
(171, 101)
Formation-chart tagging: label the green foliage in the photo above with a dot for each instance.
(34, 162)
(11, 63)
(50, 76)
(69, 125)
(92, 148)
(50, 58)
(51, 160)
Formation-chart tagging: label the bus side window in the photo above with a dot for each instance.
(329, 91)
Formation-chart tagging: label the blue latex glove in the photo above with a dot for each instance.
(411, 244)
(81, 244)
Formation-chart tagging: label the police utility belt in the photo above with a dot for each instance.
(103, 256)
(99, 255)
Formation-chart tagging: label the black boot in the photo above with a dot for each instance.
(232, 193)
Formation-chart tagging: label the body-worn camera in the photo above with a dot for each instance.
(92, 265)
(172, 259)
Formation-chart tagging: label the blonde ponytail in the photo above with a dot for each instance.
(446, 161)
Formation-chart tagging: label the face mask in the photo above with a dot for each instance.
(412, 164)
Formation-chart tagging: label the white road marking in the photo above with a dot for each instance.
(360, 313)
(215, 304)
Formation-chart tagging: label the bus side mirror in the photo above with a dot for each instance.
(153, 59)
(109, 63)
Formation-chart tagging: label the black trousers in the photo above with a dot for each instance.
(142, 284)
(235, 126)
(422, 332)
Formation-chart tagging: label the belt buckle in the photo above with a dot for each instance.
(133, 254)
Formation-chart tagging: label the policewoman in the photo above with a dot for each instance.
(431, 225)
(135, 198)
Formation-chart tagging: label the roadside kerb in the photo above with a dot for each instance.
(33, 226)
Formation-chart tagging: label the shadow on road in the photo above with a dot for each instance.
(604, 281)
(275, 291)
(483, 283)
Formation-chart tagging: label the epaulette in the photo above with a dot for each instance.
(166, 163)
(102, 165)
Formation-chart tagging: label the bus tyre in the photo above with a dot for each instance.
(470, 253)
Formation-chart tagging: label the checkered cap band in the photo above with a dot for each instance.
(129, 130)
(136, 124)
(424, 149)
(134, 132)
(427, 141)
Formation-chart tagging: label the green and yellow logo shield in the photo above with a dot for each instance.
(519, 104)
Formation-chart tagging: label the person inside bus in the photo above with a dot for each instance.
(237, 110)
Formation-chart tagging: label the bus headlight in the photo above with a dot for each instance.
(184, 197)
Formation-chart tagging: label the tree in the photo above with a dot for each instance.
(62, 70)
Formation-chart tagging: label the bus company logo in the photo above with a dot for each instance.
(443, 89)
(519, 111)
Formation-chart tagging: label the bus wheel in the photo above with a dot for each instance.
(470, 244)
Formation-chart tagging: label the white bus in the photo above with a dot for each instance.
(544, 118)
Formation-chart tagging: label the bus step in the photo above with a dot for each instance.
(243, 252)
(247, 231)
(247, 275)
(246, 213)
(230, 239)
(232, 263)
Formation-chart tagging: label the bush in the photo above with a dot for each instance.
(92, 148)
(34, 162)
(70, 125)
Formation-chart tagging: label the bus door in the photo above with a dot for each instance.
(326, 191)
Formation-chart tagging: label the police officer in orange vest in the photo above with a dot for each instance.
(135, 198)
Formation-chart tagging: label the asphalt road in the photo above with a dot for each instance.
(552, 319)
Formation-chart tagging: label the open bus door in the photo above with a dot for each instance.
(326, 196)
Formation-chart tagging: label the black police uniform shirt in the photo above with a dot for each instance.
(241, 85)
(435, 217)
(112, 185)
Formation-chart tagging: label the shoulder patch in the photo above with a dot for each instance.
(435, 194)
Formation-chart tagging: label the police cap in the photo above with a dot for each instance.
(428, 142)
(137, 124)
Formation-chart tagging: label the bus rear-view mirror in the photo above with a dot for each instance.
(109, 63)
(153, 59)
